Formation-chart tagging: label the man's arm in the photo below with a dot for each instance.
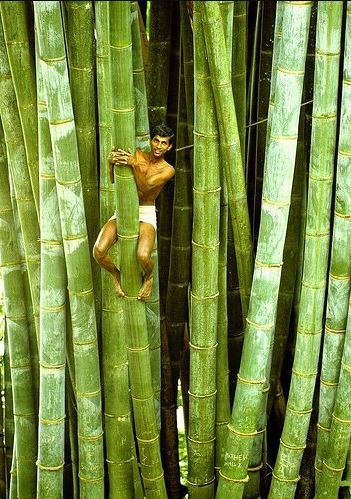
(145, 181)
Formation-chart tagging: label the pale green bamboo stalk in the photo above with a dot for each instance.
(339, 269)
(230, 146)
(53, 285)
(204, 292)
(13, 472)
(274, 217)
(14, 16)
(309, 329)
(20, 177)
(238, 68)
(128, 231)
(74, 232)
(9, 424)
(81, 48)
(337, 446)
(18, 339)
(142, 134)
(118, 425)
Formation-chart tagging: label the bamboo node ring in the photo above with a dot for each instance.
(240, 433)
(159, 477)
(340, 277)
(300, 412)
(81, 293)
(202, 484)
(336, 470)
(51, 366)
(255, 468)
(50, 422)
(268, 265)
(287, 480)
(138, 349)
(58, 308)
(346, 366)
(335, 331)
(328, 383)
(304, 375)
(90, 438)
(292, 447)
(75, 237)
(196, 347)
(207, 395)
(199, 298)
(234, 480)
(146, 440)
(251, 382)
(90, 480)
(123, 111)
(88, 394)
(50, 468)
(209, 191)
(341, 151)
(323, 428)
(281, 204)
(211, 440)
(342, 421)
(259, 326)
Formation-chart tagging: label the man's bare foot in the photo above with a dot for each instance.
(117, 284)
(146, 288)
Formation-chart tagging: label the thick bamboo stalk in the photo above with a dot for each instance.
(339, 269)
(142, 133)
(14, 16)
(75, 239)
(238, 68)
(230, 146)
(18, 340)
(274, 217)
(204, 292)
(21, 181)
(52, 353)
(9, 424)
(128, 231)
(82, 66)
(309, 329)
(118, 425)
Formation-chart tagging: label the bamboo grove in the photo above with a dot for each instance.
(232, 380)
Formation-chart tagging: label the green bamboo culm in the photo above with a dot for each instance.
(128, 231)
(18, 341)
(117, 417)
(14, 16)
(9, 425)
(230, 147)
(142, 134)
(238, 68)
(317, 235)
(274, 217)
(82, 66)
(75, 240)
(339, 269)
(20, 177)
(52, 353)
(204, 292)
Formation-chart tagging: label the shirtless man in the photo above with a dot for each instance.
(151, 173)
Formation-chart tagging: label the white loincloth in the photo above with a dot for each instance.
(147, 214)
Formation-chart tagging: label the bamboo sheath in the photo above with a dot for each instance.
(309, 329)
(339, 270)
(204, 292)
(15, 22)
(74, 232)
(18, 341)
(265, 287)
(123, 115)
(52, 353)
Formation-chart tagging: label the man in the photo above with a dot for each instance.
(151, 173)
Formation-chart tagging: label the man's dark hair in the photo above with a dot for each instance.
(163, 131)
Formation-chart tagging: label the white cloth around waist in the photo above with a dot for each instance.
(147, 214)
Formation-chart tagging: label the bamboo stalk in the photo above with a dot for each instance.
(15, 22)
(238, 68)
(275, 209)
(233, 165)
(74, 232)
(309, 329)
(339, 271)
(128, 231)
(18, 340)
(204, 292)
(53, 284)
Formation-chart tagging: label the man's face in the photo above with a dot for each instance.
(160, 145)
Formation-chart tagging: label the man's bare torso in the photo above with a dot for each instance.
(150, 169)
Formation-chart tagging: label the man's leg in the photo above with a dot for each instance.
(145, 245)
(106, 239)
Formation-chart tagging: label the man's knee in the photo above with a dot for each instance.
(98, 252)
